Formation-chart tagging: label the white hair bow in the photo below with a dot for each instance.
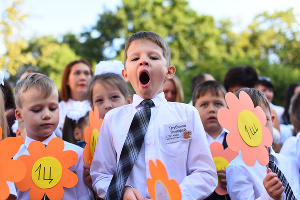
(109, 66)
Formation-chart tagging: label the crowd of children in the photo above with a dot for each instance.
(152, 124)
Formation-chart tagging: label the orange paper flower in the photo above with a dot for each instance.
(11, 170)
(247, 131)
(159, 174)
(222, 158)
(47, 170)
(91, 134)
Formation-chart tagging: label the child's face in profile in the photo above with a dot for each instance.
(208, 106)
(107, 97)
(146, 68)
(40, 115)
(79, 129)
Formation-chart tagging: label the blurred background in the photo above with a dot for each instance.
(204, 36)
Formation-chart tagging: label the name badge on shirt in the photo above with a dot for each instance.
(177, 132)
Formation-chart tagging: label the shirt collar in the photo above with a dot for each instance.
(220, 135)
(28, 140)
(157, 100)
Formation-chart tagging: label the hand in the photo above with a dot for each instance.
(86, 175)
(132, 194)
(222, 178)
(273, 185)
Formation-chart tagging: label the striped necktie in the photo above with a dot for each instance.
(130, 150)
(287, 188)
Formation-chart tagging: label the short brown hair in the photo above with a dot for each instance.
(244, 76)
(153, 37)
(65, 92)
(258, 98)
(38, 80)
(213, 87)
(111, 79)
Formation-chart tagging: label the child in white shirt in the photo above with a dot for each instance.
(289, 146)
(254, 182)
(208, 98)
(187, 159)
(37, 107)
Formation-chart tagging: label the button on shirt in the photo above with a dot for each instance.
(80, 191)
(246, 182)
(188, 161)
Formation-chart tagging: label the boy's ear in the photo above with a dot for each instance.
(18, 133)
(171, 72)
(128, 100)
(19, 115)
(124, 74)
(272, 118)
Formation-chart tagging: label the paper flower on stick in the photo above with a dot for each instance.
(91, 134)
(222, 158)
(47, 170)
(160, 187)
(10, 170)
(247, 131)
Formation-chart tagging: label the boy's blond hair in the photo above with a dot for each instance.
(258, 98)
(37, 80)
(153, 37)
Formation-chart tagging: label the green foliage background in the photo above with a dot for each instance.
(199, 43)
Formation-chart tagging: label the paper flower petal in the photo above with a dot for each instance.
(4, 190)
(91, 134)
(159, 174)
(222, 157)
(246, 126)
(47, 169)
(10, 170)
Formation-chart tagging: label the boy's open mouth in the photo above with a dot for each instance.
(144, 78)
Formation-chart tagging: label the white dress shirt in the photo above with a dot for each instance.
(289, 146)
(12, 188)
(189, 161)
(286, 131)
(298, 155)
(219, 139)
(80, 191)
(65, 106)
(246, 183)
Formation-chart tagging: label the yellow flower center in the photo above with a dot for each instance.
(221, 163)
(94, 139)
(46, 172)
(250, 128)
